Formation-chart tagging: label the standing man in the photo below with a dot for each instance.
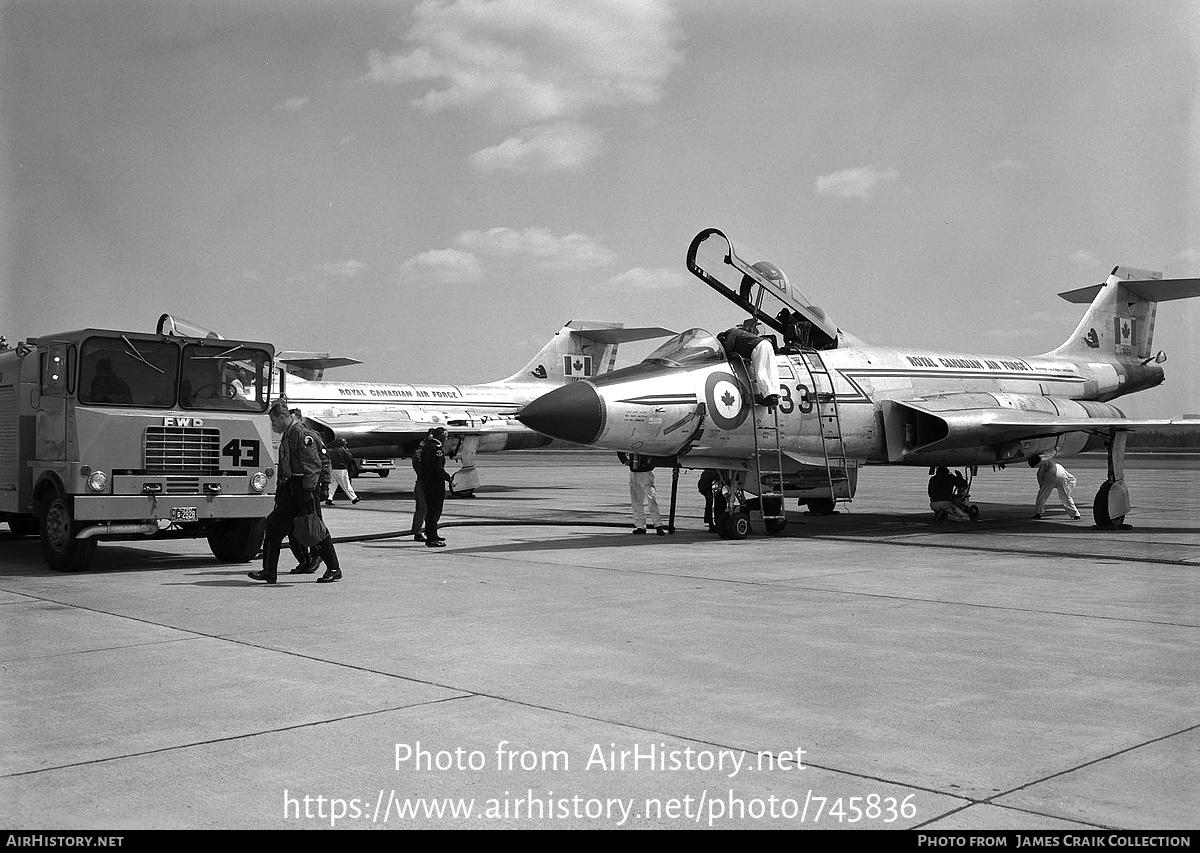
(1053, 476)
(300, 466)
(642, 496)
(418, 525)
(432, 479)
(342, 461)
(714, 501)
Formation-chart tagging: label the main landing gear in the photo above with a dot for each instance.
(734, 521)
(1112, 500)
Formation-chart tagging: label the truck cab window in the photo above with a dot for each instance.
(127, 371)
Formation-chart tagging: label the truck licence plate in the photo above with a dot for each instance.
(183, 513)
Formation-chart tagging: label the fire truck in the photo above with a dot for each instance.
(118, 435)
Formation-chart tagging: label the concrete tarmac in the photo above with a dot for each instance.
(868, 669)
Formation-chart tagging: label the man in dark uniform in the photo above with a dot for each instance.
(418, 525)
(432, 479)
(945, 495)
(309, 559)
(714, 500)
(300, 469)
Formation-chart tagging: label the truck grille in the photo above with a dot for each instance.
(179, 449)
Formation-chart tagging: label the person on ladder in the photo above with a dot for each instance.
(743, 340)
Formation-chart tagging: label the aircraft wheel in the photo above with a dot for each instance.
(821, 506)
(973, 511)
(57, 527)
(737, 526)
(722, 525)
(1111, 504)
(383, 474)
(237, 540)
(775, 526)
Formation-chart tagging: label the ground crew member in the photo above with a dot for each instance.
(945, 490)
(714, 502)
(432, 479)
(341, 460)
(642, 497)
(745, 341)
(1053, 476)
(300, 466)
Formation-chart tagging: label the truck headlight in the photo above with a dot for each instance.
(97, 481)
(258, 481)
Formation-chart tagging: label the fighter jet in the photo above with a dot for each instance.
(383, 419)
(842, 404)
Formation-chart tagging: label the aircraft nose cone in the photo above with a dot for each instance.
(573, 413)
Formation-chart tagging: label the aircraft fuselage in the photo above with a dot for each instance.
(705, 410)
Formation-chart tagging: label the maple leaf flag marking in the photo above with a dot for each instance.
(576, 365)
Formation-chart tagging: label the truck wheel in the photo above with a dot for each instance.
(775, 526)
(25, 525)
(383, 474)
(237, 540)
(57, 527)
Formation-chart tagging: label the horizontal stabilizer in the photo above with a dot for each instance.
(1151, 290)
(314, 360)
(311, 365)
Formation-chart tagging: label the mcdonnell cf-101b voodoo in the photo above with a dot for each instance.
(840, 403)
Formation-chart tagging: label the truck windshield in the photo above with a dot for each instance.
(224, 376)
(124, 371)
(162, 374)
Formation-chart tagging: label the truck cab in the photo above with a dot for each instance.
(109, 435)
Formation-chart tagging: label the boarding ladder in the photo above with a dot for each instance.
(768, 457)
(829, 424)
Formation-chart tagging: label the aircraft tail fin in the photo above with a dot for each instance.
(580, 350)
(1119, 322)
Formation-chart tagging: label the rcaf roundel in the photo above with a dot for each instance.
(726, 403)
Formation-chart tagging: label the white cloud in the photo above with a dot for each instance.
(856, 183)
(1008, 164)
(1083, 259)
(445, 266)
(537, 246)
(292, 105)
(565, 146)
(342, 269)
(528, 61)
(640, 279)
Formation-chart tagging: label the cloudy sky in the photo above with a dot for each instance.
(436, 187)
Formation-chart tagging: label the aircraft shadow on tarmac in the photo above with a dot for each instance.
(993, 519)
(909, 528)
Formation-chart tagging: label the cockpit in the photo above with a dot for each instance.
(687, 349)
